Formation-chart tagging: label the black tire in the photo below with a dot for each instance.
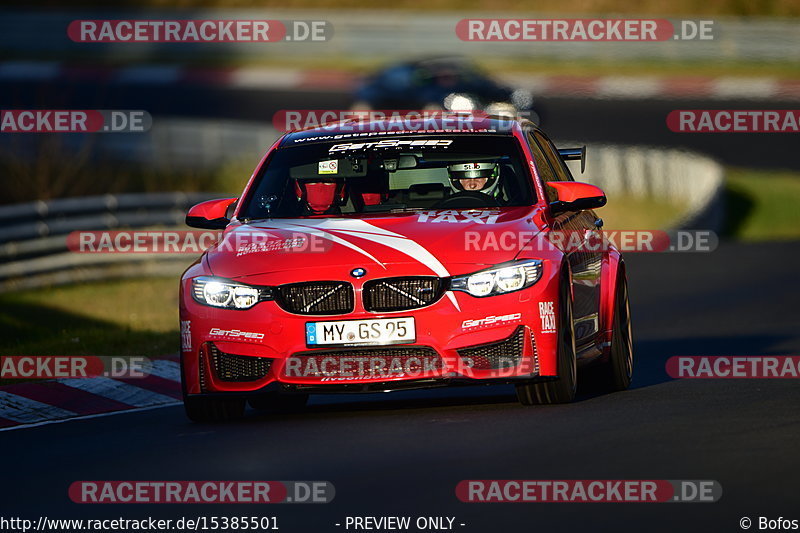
(276, 402)
(561, 390)
(617, 371)
(200, 409)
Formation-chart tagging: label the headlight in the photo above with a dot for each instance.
(480, 284)
(500, 279)
(218, 292)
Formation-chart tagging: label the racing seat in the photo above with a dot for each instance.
(509, 185)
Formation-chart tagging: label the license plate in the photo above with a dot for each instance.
(361, 332)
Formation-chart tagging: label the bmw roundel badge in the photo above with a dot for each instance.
(358, 272)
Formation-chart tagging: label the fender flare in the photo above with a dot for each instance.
(613, 265)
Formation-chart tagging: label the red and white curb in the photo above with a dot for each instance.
(36, 402)
(600, 87)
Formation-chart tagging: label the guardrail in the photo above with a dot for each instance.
(687, 179)
(33, 237)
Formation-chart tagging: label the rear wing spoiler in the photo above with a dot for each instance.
(573, 154)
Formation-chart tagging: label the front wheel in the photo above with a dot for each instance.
(618, 370)
(561, 390)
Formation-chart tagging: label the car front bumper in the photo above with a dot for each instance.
(459, 339)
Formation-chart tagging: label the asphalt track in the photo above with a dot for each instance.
(402, 454)
(579, 119)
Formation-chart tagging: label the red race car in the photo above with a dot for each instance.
(379, 256)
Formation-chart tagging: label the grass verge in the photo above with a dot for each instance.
(628, 212)
(762, 204)
(130, 317)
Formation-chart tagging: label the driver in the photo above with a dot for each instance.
(475, 177)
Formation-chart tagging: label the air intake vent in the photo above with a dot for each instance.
(400, 294)
(230, 367)
(316, 297)
(506, 353)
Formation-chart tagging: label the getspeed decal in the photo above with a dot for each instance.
(491, 320)
(393, 143)
(235, 334)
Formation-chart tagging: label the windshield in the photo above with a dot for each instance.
(381, 174)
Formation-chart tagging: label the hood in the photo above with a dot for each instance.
(431, 242)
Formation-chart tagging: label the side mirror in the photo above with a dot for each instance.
(210, 214)
(576, 196)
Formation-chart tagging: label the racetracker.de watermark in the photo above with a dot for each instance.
(73, 366)
(199, 31)
(74, 121)
(654, 241)
(346, 368)
(733, 367)
(203, 492)
(734, 120)
(584, 30)
(193, 242)
(588, 491)
(390, 120)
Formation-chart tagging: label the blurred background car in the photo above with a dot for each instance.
(442, 83)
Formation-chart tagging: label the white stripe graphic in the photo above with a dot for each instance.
(333, 238)
(25, 410)
(118, 391)
(366, 231)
